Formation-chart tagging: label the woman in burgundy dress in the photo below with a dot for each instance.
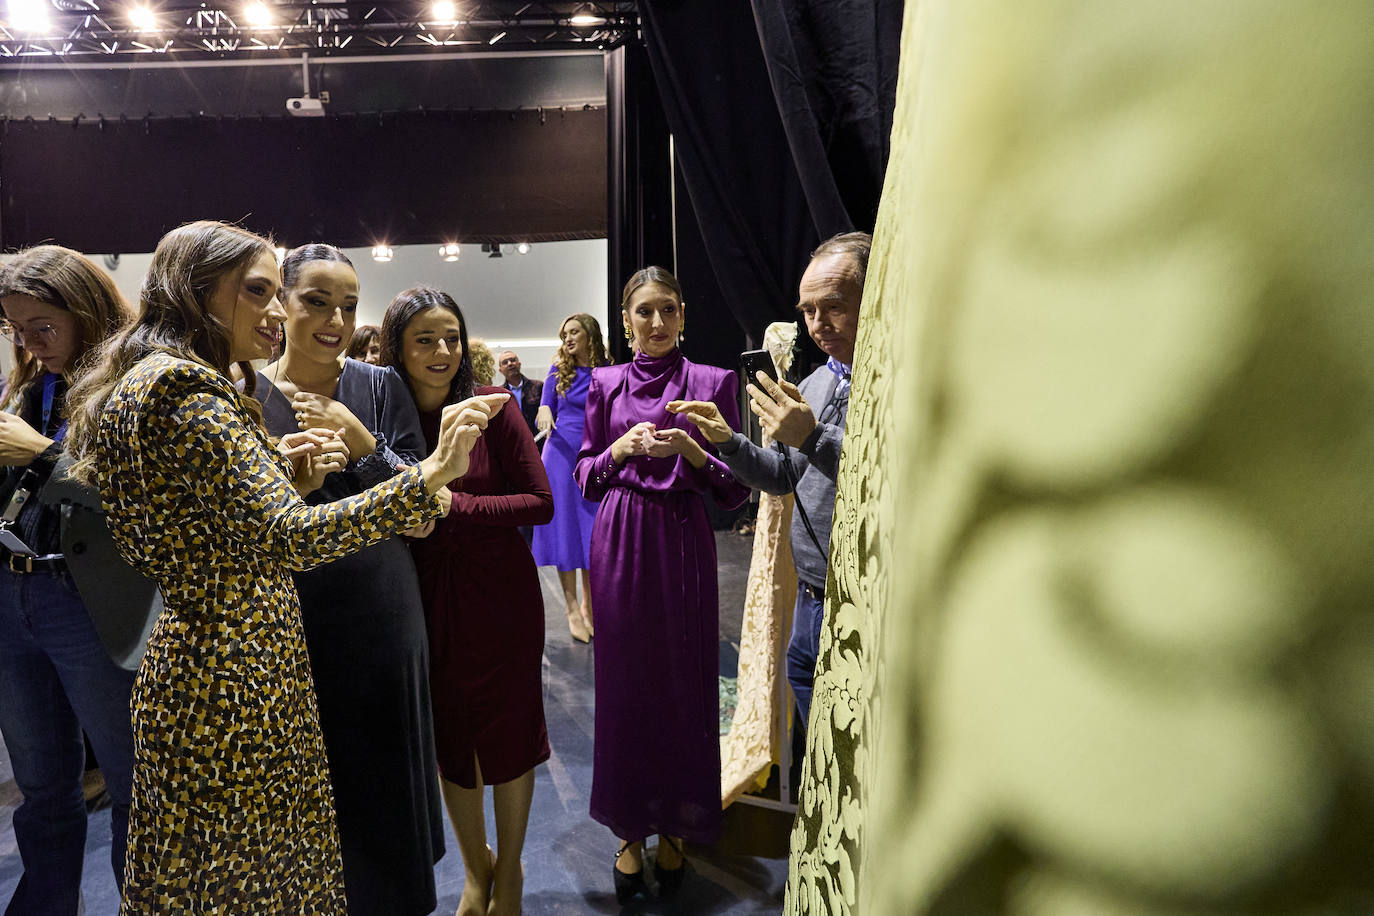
(656, 767)
(483, 604)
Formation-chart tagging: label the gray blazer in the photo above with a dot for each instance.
(124, 604)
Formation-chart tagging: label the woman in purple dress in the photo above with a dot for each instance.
(566, 541)
(656, 765)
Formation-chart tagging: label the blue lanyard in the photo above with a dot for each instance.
(49, 394)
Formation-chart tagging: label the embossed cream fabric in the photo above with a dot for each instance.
(1102, 635)
(757, 731)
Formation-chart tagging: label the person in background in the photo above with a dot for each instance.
(810, 421)
(366, 346)
(363, 617)
(657, 760)
(483, 603)
(526, 391)
(232, 809)
(565, 543)
(56, 678)
(483, 363)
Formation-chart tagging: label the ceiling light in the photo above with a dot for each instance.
(28, 15)
(382, 253)
(257, 14)
(143, 19)
(449, 251)
(444, 11)
(523, 248)
(586, 19)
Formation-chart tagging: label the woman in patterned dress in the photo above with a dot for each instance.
(364, 621)
(231, 805)
(566, 541)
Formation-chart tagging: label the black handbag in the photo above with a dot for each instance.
(123, 603)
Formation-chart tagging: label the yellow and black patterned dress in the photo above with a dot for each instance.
(232, 810)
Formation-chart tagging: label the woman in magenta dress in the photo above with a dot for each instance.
(565, 542)
(656, 766)
(483, 604)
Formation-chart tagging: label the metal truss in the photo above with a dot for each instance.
(223, 29)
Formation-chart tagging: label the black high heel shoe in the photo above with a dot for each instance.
(626, 884)
(670, 879)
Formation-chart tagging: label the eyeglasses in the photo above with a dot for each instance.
(43, 335)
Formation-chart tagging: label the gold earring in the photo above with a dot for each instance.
(629, 335)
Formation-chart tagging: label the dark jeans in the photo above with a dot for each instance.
(808, 617)
(56, 680)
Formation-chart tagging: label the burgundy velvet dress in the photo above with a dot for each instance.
(484, 607)
(656, 763)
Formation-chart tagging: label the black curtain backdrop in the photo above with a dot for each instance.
(780, 114)
(351, 180)
(732, 154)
(833, 67)
(639, 192)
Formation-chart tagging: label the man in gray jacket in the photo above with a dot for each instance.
(809, 420)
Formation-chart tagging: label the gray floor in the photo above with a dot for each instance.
(567, 856)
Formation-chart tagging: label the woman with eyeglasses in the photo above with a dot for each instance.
(232, 809)
(56, 678)
(364, 622)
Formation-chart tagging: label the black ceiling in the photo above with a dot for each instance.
(77, 30)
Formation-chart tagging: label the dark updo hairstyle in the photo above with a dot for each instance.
(297, 258)
(647, 275)
(402, 310)
(363, 336)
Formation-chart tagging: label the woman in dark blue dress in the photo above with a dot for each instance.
(364, 620)
(565, 542)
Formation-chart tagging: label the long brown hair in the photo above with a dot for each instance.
(565, 365)
(173, 317)
(68, 280)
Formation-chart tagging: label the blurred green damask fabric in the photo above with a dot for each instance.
(1101, 610)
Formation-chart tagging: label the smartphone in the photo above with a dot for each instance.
(751, 361)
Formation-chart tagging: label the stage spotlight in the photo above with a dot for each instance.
(28, 15)
(257, 14)
(143, 19)
(449, 251)
(444, 11)
(523, 248)
(382, 253)
(586, 16)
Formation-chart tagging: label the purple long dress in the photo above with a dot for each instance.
(565, 541)
(656, 763)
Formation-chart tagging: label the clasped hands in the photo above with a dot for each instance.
(314, 454)
(647, 439)
(783, 413)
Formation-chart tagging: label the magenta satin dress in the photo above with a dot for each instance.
(656, 763)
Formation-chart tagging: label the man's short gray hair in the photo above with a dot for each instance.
(856, 245)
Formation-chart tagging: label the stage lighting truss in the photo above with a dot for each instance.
(222, 29)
